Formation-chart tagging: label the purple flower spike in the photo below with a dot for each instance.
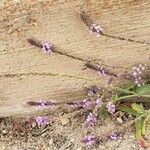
(47, 47)
(89, 139)
(91, 120)
(85, 103)
(114, 136)
(137, 73)
(111, 108)
(96, 29)
(42, 120)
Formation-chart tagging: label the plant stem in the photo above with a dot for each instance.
(130, 96)
(124, 90)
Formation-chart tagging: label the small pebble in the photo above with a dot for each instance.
(4, 132)
(79, 148)
(33, 124)
(119, 120)
(64, 121)
(50, 141)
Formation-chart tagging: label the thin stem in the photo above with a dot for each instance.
(124, 90)
(130, 96)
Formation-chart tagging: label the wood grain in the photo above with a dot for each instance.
(28, 74)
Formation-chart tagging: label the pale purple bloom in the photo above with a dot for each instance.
(106, 72)
(98, 101)
(111, 108)
(114, 136)
(136, 73)
(47, 47)
(102, 71)
(91, 120)
(42, 120)
(86, 103)
(89, 139)
(96, 29)
(42, 103)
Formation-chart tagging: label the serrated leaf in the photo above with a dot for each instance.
(127, 109)
(138, 107)
(145, 89)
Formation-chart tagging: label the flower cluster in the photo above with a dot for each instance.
(42, 120)
(137, 72)
(91, 120)
(96, 29)
(111, 108)
(47, 47)
(89, 139)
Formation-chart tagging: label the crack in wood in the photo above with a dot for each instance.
(45, 74)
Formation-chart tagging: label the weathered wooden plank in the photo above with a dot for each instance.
(28, 74)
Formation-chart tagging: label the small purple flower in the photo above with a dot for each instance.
(89, 139)
(42, 120)
(91, 120)
(114, 136)
(98, 101)
(86, 103)
(96, 29)
(47, 47)
(111, 108)
(102, 71)
(42, 103)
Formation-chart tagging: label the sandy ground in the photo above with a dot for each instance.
(64, 133)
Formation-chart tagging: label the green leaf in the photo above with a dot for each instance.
(143, 127)
(127, 86)
(145, 89)
(115, 97)
(103, 111)
(127, 109)
(138, 107)
(138, 128)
